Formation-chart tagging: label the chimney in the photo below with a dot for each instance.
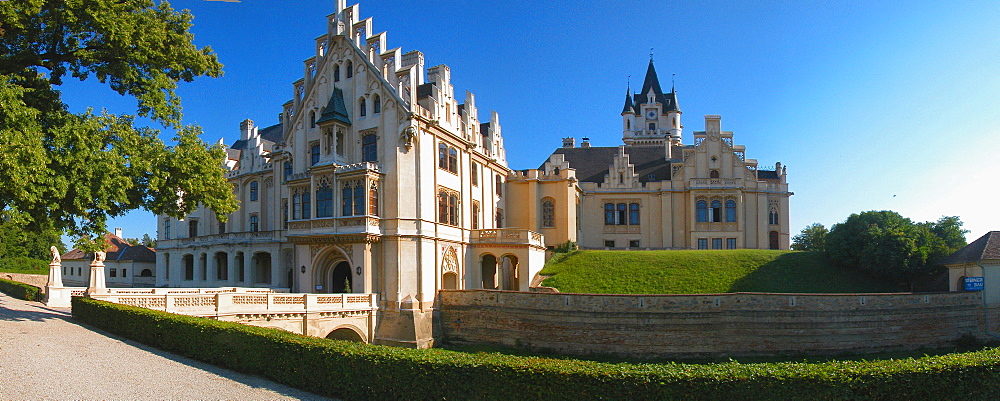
(118, 232)
(569, 142)
(585, 143)
(245, 128)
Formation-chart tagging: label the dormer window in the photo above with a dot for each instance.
(652, 126)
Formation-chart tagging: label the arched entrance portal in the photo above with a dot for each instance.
(341, 280)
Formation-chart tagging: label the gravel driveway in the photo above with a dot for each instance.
(44, 354)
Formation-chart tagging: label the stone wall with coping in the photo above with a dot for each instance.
(37, 280)
(712, 325)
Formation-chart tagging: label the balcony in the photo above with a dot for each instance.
(351, 224)
(247, 236)
(516, 236)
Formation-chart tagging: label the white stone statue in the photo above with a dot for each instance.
(99, 256)
(56, 259)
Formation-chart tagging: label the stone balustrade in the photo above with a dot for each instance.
(506, 236)
(715, 182)
(216, 302)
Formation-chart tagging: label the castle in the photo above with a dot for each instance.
(377, 179)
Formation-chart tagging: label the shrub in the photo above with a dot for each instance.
(21, 264)
(21, 290)
(356, 371)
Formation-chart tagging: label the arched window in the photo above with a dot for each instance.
(702, 212)
(306, 206)
(373, 200)
(312, 118)
(713, 174)
(359, 200)
(730, 211)
(453, 208)
(716, 211)
(622, 217)
(253, 190)
(350, 68)
(376, 105)
(633, 214)
(254, 223)
(296, 207)
(628, 124)
(442, 156)
(548, 213)
(609, 214)
(336, 73)
(369, 148)
(324, 201)
(346, 201)
(772, 216)
(362, 108)
(453, 160)
(443, 207)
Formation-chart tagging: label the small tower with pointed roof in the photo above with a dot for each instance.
(651, 117)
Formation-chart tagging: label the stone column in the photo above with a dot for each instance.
(55, 274)
(232, 265)
(279, 272)
(98, 284)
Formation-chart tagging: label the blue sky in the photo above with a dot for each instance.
(871, 105)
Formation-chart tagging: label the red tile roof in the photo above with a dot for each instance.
(986, 247)
(117, 249)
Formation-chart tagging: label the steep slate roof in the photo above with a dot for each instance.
(273, 133)
(629, 106)
(669, 100)
(336, 110)
(592, 163)
(986, 247)
(118, 250)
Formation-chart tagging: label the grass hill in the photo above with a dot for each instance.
(703, 272)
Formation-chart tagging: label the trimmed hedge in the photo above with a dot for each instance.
(356, 371)
(20, 290)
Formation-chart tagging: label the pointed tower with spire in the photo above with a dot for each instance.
(651, 118)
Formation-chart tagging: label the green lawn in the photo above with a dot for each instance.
(702, 272)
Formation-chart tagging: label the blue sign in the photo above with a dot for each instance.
(973, 283)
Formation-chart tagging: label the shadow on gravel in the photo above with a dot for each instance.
(13, 310)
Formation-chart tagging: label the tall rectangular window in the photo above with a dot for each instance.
(453, 160)
(254, 223)
(324, 202)
(373, 200)
(253, 190)
(314, 154)
(442, 156)
(359, 200)
(193, 228)
(288, 171)
(166, 228)
(609, 214)
(306, 206)
(622, 214)
(346, 201)
(633, 214)
(730, 243)
(475, 215)
(702, 243)
(369, 148)
(730, 211)
(296, 207)
(474, 175)
(716, 243)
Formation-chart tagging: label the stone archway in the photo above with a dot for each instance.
(346, 333)
(324, 265)
(507, 273)
(488, 266)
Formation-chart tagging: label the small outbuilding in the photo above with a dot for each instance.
(976, 264)
(126, 265)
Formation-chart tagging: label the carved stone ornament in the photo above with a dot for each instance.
(407, 137)
(55, 255)
(313, 250)
(99, 257)
(449, 264)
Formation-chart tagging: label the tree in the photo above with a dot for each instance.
(145, 241)
(889, 246)
(15, 242)
(812, 238)
(74, 171)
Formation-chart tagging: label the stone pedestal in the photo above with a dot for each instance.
(55, 275)
(97, 284)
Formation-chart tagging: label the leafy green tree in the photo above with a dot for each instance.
(146, 240)
(889, 246)
(74, 171)
(812, 238)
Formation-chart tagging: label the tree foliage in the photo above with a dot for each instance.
(74, 171)
(812, 238)
(892, 247)
(15, 242)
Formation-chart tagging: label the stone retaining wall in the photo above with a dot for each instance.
(37, 280)
(740, 324)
